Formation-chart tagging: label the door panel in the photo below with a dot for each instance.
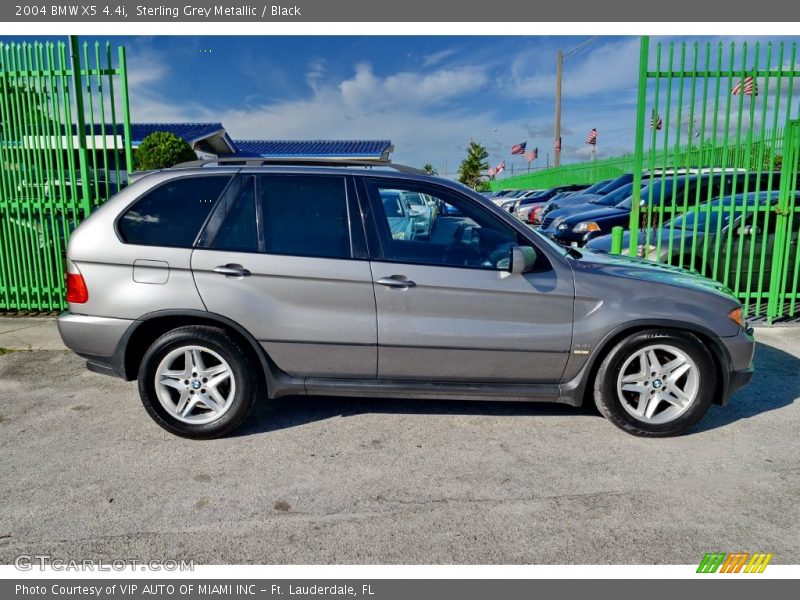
(280, 263)
(313, 316)
(469, 324)
(448, 308)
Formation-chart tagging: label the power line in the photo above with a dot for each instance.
(580, 47)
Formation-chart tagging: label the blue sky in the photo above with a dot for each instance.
(429, 94)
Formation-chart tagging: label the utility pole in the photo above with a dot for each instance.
(559, 68)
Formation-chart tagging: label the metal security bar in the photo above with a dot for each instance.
(64, 149)
(727, 113)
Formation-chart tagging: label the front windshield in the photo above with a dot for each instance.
(614, 197)
(696, 220)
(596, 188)
(656, 188)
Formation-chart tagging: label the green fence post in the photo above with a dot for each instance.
(126, 110)
(638, 155)
(80, 123)
(616, 239)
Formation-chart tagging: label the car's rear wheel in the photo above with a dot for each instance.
(656, 383)
(197, 382)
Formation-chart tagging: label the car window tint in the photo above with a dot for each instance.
(172, 213)
(238, 232)
(440, 229)
(305, 216)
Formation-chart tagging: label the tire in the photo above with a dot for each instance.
(678, 396)
(171, 382)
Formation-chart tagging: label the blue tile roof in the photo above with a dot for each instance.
(186, 131)
(329, 148)
(189, 132)
(192, 132)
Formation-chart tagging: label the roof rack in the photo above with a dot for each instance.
(249, 161)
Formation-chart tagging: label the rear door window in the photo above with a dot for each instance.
(305, 215)
(172, 213)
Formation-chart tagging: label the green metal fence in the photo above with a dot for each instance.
(64, 149)
(699, 155)
(716, 106)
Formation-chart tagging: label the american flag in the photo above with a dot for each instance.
(519, 148)
(748, 87)
(557, 145)
(501, 167)
(592, 137)
(655, 121)
(532, 155)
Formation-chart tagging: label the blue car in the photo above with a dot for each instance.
(554, 218)
(580, 228)
(595, 192)
(737, 225)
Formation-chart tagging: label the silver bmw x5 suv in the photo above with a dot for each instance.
(217, 285)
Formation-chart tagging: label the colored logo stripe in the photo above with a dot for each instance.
(735, 562)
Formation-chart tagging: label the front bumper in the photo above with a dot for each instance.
(740, 349)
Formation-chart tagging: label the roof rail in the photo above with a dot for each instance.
(249, 161)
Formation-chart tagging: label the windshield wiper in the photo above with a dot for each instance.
(573, 252)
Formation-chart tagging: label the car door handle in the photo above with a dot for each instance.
(230, 270)
(396, 281)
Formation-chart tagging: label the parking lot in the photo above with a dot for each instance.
(87, 474)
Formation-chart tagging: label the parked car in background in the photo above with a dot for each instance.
(578, 229)
(545, 195)
(596, 191)
(424, 209)
(554, 218)
(509, 203)
(742, 227)
(406, 221)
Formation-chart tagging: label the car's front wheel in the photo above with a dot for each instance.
(656, 383)
(197, 382)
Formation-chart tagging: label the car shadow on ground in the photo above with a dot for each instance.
(775, 384)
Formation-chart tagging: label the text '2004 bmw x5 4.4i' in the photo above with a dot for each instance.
(216, 285)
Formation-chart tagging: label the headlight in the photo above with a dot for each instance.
(586, 226)
(737, 317)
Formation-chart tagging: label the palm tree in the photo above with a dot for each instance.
(430, 169)
(469, 173)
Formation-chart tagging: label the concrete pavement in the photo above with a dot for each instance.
(86, 474)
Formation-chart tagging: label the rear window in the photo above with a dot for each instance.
(173, 213)
(305, 216)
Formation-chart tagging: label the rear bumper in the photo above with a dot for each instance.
(97, 339)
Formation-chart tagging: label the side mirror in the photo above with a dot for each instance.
(522, 259)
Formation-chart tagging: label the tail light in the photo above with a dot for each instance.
(77, 292)
(533, 215)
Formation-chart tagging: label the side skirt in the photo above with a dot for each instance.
(433, 390)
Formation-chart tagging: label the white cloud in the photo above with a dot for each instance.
(367, 92)
(430, 60)
(401, 107)
(316, 71)
(599, 68)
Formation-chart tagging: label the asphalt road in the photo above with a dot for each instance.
(85, 474)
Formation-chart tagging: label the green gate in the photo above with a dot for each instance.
(728, 113)
(62, 153)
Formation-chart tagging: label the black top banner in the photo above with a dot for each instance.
(405, 11)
